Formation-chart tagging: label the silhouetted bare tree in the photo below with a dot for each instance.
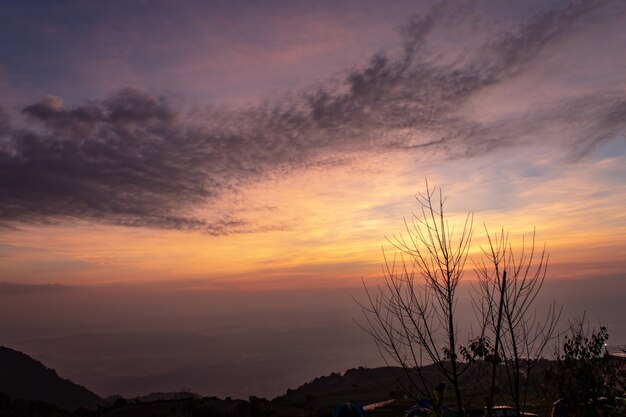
(413, 313)
(514, 336)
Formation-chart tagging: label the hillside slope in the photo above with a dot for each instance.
(367, 386)
(23, 377)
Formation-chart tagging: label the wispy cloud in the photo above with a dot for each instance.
(135, 159)
(11, 288)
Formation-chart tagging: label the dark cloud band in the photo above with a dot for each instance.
(10, 288)
(133, 159)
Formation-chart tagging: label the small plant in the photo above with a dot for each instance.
(585, 374)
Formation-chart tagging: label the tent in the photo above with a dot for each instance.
(348, 410)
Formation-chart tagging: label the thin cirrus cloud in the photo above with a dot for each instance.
(135, 159)
(11, 288)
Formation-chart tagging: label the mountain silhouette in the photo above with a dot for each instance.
(22, 377)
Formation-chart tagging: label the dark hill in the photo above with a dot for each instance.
(368, 386)
(22, 377)
(361, 385)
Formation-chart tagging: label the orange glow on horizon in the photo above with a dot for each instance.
(327, 228)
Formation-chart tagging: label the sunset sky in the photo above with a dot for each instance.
(263, 148)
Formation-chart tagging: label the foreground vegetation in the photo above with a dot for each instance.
(413, 319)
(315, 398)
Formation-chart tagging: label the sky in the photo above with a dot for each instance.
(179, 167)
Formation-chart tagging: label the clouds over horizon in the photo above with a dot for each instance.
(12, 288)
(142, 160)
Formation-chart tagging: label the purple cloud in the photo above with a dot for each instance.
(140, 160)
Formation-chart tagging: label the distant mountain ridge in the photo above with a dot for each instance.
(27, 387)
(22, 377)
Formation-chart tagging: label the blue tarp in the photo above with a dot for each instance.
(348, 410)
